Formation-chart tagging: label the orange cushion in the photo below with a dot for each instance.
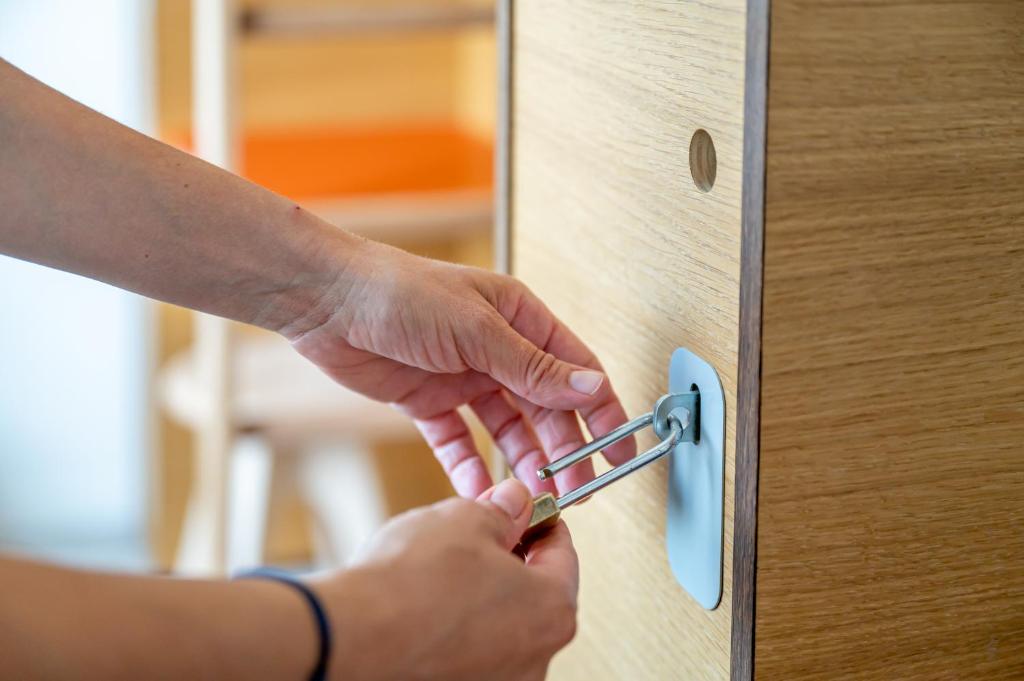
(345, 161)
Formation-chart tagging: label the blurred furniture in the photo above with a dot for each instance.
(249, 397)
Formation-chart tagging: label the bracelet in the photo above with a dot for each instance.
(323, 625)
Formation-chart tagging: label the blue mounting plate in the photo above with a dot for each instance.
(693, 534)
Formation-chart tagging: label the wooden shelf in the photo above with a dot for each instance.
(331, 21)
(409, 216)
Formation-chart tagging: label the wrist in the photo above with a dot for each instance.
(363, 626)
(277, 635)
(315, 611)
(314, 280)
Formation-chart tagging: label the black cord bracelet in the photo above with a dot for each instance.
(323, 625)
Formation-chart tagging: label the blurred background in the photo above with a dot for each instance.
(136, 435)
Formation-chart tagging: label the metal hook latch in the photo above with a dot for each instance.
(675, 419)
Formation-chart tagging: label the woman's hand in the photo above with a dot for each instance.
(438, 595)
(427, 336)
(430, 337)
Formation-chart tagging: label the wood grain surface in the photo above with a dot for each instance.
(609, 228)
(891, 505)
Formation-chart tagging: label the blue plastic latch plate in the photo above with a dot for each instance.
(693, 533)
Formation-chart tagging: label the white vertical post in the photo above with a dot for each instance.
(215, 139)
(251, 468)
(214, 25)
(503, 170)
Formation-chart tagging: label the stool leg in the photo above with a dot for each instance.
(341, 484)
(201, 548)
(251, 475)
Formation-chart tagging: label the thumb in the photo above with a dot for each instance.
(532, 373)
(511, 506)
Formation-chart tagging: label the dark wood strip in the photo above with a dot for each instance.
(748, 397)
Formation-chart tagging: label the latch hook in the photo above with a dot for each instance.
(675, 419)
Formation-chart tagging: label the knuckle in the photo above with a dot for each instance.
(506, 293)
(560, 616)
(563, 624)
(487, 284)
(540, 369)
(510, 283)
(498, 280)
(512, 286)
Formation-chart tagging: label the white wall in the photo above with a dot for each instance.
(73, 396)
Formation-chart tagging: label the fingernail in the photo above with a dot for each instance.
(511, 496)
(586, 382)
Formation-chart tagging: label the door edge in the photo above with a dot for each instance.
(748, 393)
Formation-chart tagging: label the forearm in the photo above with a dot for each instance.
(65, 624)
(82, 193)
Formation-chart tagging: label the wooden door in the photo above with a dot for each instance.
(607, 223)
(878, 449)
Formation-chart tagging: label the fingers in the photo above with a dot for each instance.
(449, 437)
(604, 412)
(605, 416)
(514, 437)
(529, 371)
(559, 433)
(552, 555)
(511, 505)
(426, 395)
(537, 324)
